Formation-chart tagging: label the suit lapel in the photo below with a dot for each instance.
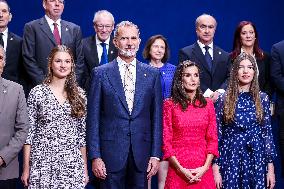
(200, 56)
(216, 57)
(111, 50)
(46, 29)
(3, 93)
(64, 33)
(94, 51)
(10, 42)
(115, 81)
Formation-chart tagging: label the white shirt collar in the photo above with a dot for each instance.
(5, 32)
(50, 21)
(122, 62)
(201, 45)
(98, 41)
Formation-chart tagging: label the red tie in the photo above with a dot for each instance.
(56, 34)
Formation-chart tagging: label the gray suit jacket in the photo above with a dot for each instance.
(38, 41)
(14, 126)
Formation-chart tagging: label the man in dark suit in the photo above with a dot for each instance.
(12, 44)
(277, 76)
(94, 46)
(212, 60)
(42, 35)
(124, 116)
(13, 128)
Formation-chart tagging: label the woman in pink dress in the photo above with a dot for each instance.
(190, 139)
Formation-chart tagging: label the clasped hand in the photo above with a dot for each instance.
(194, 175)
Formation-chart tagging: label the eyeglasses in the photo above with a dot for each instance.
(101, 27)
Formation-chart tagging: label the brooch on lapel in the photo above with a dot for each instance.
(111, 52)
(4, 91)
(219, 52)
(66, 29)
(145, 75)
(11, 38)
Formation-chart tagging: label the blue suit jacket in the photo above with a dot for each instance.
(217, 77)
(111, 128)
(277, 73)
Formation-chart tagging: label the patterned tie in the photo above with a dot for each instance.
(208, 57)
(129, 87)
(104, 54)
(1, 40)
(56, 34)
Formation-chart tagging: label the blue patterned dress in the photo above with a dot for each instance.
(245, 146)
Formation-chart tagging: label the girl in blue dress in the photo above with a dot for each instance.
(246, 144)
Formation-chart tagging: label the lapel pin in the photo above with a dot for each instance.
(11, 38)
(111, 52)
(145, 75)
(4, 91)
(66, 29)
(220, 52)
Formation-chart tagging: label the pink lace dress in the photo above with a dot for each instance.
(190, 136)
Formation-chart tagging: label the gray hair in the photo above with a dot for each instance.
(4, 54)
(204, 14)
(125, 24)
(102, 12)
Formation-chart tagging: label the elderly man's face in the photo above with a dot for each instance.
(5, 15)
(2, 61)
(127, 41)
(53, 8)
(103, 26)
(205, 29)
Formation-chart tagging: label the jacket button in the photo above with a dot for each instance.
(128, 134)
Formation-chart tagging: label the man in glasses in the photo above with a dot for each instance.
(212, 60)
(41, 35)
(99, 49)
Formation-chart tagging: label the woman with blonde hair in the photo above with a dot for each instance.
(55, 150)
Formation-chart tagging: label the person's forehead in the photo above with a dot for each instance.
(128, 30)
(104, 18)
(3, 5)
(206, 20)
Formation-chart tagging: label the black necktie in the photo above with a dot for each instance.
(104, 54)
(208, 57)
(1, 40)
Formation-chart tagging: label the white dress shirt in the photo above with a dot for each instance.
(51, 26)
(100, 48)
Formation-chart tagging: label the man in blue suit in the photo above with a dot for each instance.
(124, 116)
(277, 76)
(212, 60)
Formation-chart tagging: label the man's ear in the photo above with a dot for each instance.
(10, 17)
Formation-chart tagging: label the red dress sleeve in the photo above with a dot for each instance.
(167, 129)
(211, 133)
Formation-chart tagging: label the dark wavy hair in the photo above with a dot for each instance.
(149, 43)
(237, 44)
(76, 100)
(232, 92)
(179, 94)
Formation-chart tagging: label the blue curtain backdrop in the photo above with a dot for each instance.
(174, 19)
